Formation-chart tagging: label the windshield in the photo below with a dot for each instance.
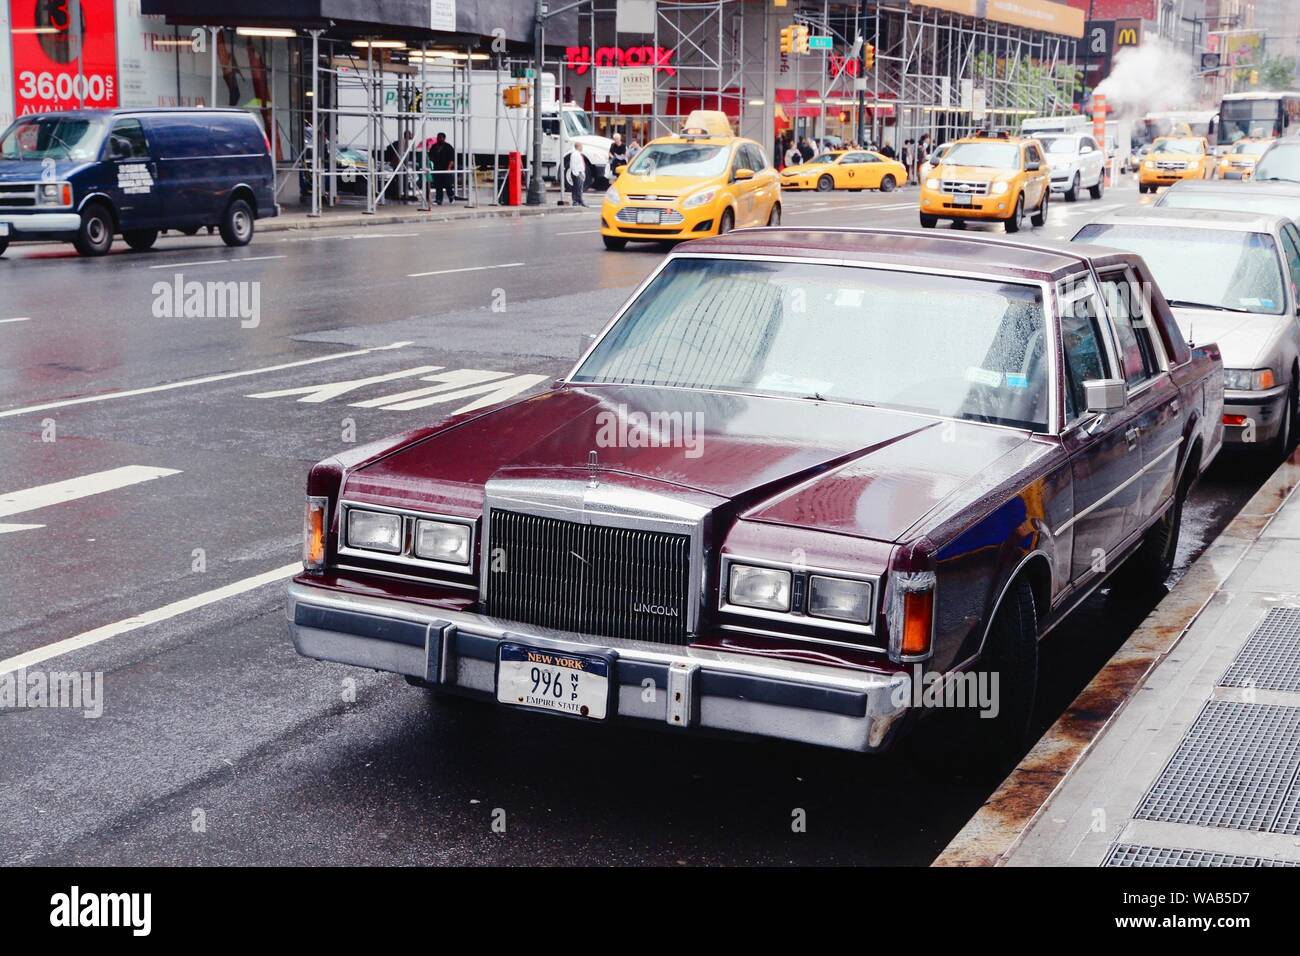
(1213, 268)
(1241, 118)
(944, 345)
(681, 159)
(1280, 162)
(1060, 144)
(1183, 145)
(576, 124)
(994, 155)
(53, 137)
(1239, 200)
(1252, 149)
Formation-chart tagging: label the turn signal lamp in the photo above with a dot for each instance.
(313, 534)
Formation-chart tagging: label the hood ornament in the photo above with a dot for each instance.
(593, 481)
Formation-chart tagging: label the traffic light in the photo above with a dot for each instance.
(787, 39)
(869, 56)
(779, 3)
(1254, 77)
(801, 39)
(515, 96)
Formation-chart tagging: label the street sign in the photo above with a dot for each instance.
(820, 43)
(530, 74)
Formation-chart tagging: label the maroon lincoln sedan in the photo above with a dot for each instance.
(800, 477)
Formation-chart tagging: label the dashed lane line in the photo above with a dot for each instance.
(444, 272)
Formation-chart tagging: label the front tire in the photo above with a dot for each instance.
(825, 184)
(929, 222)
(726, 223)
(141, 240)
(1072, 193)
(774, 217)
(4, 244)
(1290, 420)
(1017, 217)
(1153, 561)
(1098, 190)
(237, 224)
(1040, 218)
(887, 184)
(95, 236)
(613, 243)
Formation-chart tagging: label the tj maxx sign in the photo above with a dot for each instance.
(580, 60)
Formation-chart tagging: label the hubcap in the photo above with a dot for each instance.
(241, 224)
(95, 230)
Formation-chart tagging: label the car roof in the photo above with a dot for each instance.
(1015, 140)
(1279, 187)
(1193, 217)
(942, 252)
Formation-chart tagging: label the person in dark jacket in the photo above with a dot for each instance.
(806, 150)
(442, 157)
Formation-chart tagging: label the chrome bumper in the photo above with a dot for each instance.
(39, 223)
(683, 688)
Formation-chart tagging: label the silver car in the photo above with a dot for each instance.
(1231, 278)
(1282, 198)
(1077, 163)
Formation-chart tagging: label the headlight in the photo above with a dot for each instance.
(1248, 380)
(442, 541)
(55, 194)
(375, 531)
(839, 599)
(611, 195)
(932, 183)
(1150, 164)
(766, 588)
(999, 188)
(699, 198)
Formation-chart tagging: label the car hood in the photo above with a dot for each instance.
(848, 469)
(661, 185)
(1245, 339)
(973, 173)
(30, 170)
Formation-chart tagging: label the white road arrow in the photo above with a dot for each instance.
(70, 489)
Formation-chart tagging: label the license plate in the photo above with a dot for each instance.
(562, 683)
(4, 228)
(962, 200)
(648, 216)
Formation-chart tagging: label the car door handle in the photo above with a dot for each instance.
(1132, 437)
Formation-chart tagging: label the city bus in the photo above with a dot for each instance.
(1258, 116)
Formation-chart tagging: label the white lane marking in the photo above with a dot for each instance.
(580, 232)
(212, 262)
(87, 638)
(443, 272)
(25, 318)
(70, 489)
(206, 379)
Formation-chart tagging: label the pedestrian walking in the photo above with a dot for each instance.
(805, 150)
(577, 175)
(906, 158)
(442, 157)
(617, 156)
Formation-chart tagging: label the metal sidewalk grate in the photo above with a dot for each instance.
(1270, 658)
(1136, 854)
(1236, 767)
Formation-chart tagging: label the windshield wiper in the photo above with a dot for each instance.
(1275, 179)
(1206, 305)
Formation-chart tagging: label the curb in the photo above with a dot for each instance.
(297, 221)
(993, 833)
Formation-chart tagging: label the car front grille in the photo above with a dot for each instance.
(651, 197)
(17, 195)
(965, 187)
(589, 578)
(1170, 164)
(667, 217)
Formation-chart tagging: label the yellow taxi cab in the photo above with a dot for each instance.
(1174, 158)
(703, 181)
(851, 169)
(1239, 161)
(988, 179)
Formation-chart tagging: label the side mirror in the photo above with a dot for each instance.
(1033, 166)
(618, 170)
(743, 174)
(1105, 395)
(1085, 149)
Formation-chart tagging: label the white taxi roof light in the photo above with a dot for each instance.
(707, 123)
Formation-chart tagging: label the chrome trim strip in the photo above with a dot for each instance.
(1117, 489)
(357, 569)
(801, 638)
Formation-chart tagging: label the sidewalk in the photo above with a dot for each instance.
(349, 216)
(1184, 750)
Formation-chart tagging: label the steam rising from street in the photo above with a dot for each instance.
(1150, 78)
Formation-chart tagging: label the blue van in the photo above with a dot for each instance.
(83, 176)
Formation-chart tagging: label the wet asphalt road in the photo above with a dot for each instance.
(217, 744)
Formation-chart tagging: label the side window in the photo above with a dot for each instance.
(1034, 155)
(1136, 348)
(127, 141)
(754, 158)
(1291, 247)
(1083, 344)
